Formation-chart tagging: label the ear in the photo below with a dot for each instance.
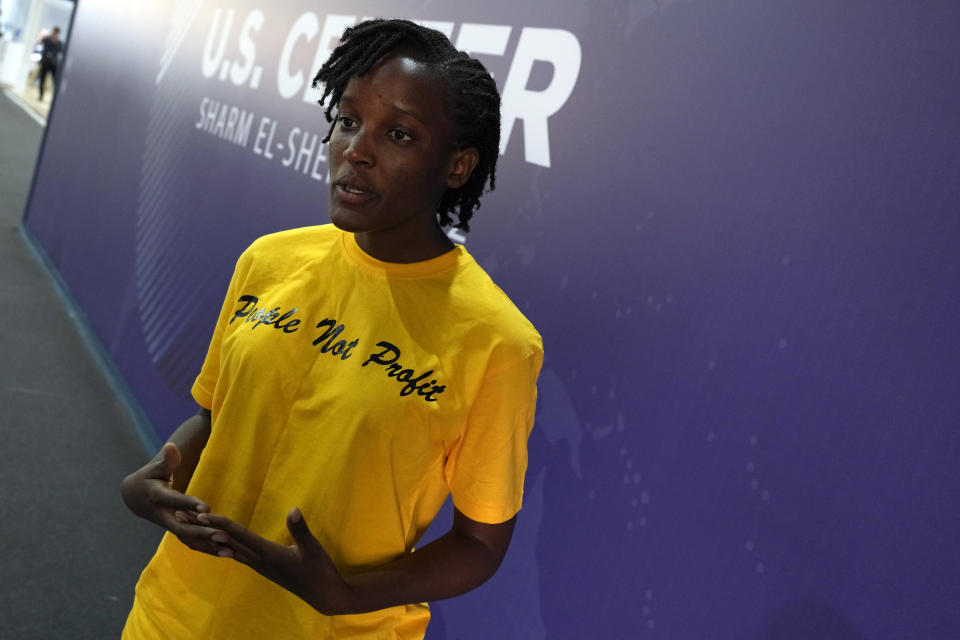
(462, 164)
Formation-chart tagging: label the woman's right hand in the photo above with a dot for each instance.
(149, 493)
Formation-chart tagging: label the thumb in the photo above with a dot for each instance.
(300, 531)
(171, 459)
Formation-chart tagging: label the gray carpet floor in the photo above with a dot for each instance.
(70, 552)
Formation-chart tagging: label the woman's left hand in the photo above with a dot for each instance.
(303, 568)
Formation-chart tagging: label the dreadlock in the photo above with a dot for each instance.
(473, 97)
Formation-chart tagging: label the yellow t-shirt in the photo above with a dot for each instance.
(364, 393)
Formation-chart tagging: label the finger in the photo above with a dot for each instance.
(248, 547)
(186, 529)
(163, 496)
(236, 532)
(221, 540)
(199, 506)
(195, 537)
(171, 458)
(192, 515)
(232, 548)
(239, 551)
(297, 525)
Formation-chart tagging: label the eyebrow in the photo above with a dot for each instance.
(394, 107)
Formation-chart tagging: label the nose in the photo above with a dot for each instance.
(358, 152)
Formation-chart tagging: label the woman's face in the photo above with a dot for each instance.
(391, 157)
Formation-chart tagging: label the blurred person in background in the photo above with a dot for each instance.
(51, 46)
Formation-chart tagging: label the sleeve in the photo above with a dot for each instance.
(486, 466)
(206, 382)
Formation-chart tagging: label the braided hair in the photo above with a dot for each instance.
(472, 95)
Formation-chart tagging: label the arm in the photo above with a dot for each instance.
(457, 562)
(484, 463)
(155, 491)
(453, 564)
(190, 439)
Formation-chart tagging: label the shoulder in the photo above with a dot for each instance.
(494, 313)
(278, 254)
(302, 239)
(291, 245)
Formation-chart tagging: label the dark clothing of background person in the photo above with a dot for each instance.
(49, 57)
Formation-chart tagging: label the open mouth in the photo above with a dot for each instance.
(352, 195)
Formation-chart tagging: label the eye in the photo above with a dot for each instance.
(400, 136)
(346, 122)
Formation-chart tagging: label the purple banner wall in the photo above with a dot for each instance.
(734, 223)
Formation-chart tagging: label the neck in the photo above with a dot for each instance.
(405, 247)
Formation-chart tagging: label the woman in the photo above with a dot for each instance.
(358, 374)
